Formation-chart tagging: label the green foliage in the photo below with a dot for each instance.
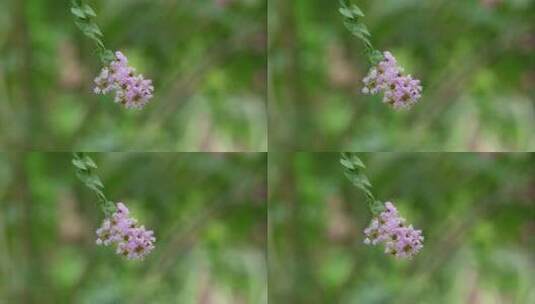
(85, 173)
(210, 82)
(350, 10)
(475, 211)
(208, 212)
(84, 14)
(471, 56)
(88, 10)
(353, 170)
(352, 21)
(78, 12)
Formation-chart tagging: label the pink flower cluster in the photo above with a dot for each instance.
(132, 91)
(389, 228)
(132, 241)
(400, 91)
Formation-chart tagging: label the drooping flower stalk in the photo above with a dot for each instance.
(131, 90)
(85, 167)
(130, 239)
(84, 14)
(400, 91)
(387, 227)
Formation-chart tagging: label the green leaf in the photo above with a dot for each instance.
(353, 167)
(345, 12)
(106, 57)
(344, 3)
(355, 10)
(353, 160)
(89, 162)
(375, 57)
(82, 25)
(93, 27)
(361, 27)
(83, 176)
(97, 190)
(84, 164)
(357, 29)
(366, 191)
(78, 12)
(79, 164)
(363, 38)
(357, 162)
(76, 3)
(92, 33)
(95, 180)
(358, 179)
(347, 163)
(377, 207)
(108, 207)
(349, 10)
(364, 180)
(88, 10)
(98, 41)
(89, 29)
(352, 14)
(91, 181)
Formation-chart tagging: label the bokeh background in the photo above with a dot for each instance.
(477, 213)
(476, 60)
(208, 212)
(207, 60)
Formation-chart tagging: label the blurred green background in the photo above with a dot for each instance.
(207, 60)
(477, 213)
(208, 212)
(476, 60)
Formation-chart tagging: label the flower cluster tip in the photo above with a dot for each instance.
(131, 240)
(390, 229)
(131, 90)
(399, 90)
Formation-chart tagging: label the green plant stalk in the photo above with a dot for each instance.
(353, 22)
(85, 167)
(83, 15)
(353, 170)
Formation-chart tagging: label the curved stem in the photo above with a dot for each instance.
(84, 171)
(84, 14)
(353, 22)
(353, 170)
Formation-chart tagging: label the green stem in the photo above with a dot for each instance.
(353, 22)
(353, 170)
(83, 14)
(85, 172)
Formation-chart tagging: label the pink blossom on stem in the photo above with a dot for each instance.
(131, 240)
(131, 90)
(389, 229)
(399, 91)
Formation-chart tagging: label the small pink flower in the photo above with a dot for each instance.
(132, 241)
(131, 90)
(399, 90)
(389, 229)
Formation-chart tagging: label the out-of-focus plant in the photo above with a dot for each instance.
(131, 90)
(132, 241)
(387, 226)
(386, 76)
